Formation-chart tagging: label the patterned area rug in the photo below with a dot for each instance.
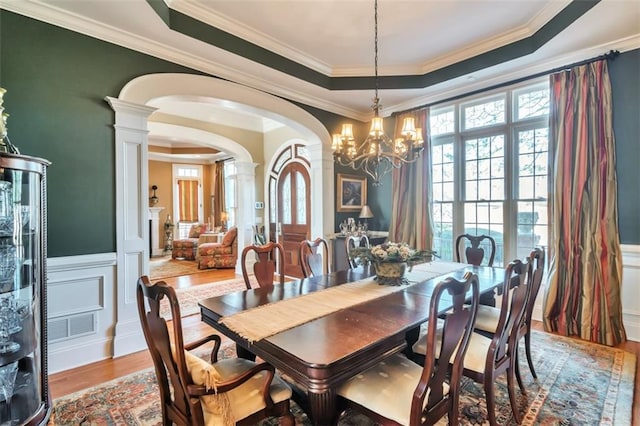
(189, 297)
(578, 383)
(166, 267)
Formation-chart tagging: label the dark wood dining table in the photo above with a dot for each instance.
(321, 354)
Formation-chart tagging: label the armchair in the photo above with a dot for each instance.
(219, 255)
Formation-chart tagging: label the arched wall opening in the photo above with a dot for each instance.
(132, 110)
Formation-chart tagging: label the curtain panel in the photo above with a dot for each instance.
(411, 219)
(585, 273)
(218, 199)
(188, 200)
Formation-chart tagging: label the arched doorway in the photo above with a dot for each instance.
(294, 214)
(132, 111)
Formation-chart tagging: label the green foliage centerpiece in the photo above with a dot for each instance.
(391, 260)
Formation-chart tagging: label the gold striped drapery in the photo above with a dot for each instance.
(585, 274)
(411, 218)
(218, 201)
(188, 200)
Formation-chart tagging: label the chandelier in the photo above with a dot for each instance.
(377, 155)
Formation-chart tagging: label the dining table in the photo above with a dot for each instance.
(323, 330)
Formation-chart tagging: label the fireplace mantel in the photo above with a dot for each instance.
(154, 216)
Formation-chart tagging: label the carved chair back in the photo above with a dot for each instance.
(269, 259)
(314, 257)
(473, 252)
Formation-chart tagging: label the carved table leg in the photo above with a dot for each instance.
(488, 299)
(323, 408)
(245, 353)
(411, 337)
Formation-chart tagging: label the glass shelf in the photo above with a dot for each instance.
(24, 394)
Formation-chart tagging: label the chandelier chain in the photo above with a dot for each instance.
(375, 47)
(378, 154)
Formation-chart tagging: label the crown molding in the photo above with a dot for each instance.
(523, 72)
(250, 34)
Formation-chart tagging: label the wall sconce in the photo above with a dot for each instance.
(154, 198)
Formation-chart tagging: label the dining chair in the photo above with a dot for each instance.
(398, 391)
(193, 391)
(489, 357)
(314, 257)
(269, 259)
(474, 249)
(352, 242)
(488, 316)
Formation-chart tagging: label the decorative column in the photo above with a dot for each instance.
(245, 199)
(132, 222)
(154, 216)
(322, 182)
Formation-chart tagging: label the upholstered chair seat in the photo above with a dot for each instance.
(387, 388)
(244, 400)
(487, 319)
(211, 249)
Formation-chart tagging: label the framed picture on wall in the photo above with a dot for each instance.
(351, 193)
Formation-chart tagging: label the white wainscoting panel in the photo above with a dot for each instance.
(81, 305)
(631, 291)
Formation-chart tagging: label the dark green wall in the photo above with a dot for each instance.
(624, 73)
(56, 83)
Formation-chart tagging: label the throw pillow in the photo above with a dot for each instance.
(197, 229)
(230, 236)
(216, 408)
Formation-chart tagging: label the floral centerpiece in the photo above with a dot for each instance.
(391, 260)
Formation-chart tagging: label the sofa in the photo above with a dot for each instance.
(219, 255)
(186, 248)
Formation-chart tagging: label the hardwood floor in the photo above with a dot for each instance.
(74, 380)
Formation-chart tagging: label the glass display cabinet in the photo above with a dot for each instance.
(24, 392)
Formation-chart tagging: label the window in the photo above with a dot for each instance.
(188, 207)
(490, 170)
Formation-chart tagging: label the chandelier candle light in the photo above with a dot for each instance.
(377, 155)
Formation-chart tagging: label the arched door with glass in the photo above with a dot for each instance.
(293, 213)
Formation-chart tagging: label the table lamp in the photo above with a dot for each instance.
(223, 219)
(365, 213)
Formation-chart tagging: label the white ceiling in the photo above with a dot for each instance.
(335, 38)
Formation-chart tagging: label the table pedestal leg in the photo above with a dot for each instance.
(244, 353)
(488, 299)
(411, 337)
(323, 407)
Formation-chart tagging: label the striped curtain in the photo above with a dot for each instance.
(218, 201)
(583, 296)
(188, 200)
(411, 218)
